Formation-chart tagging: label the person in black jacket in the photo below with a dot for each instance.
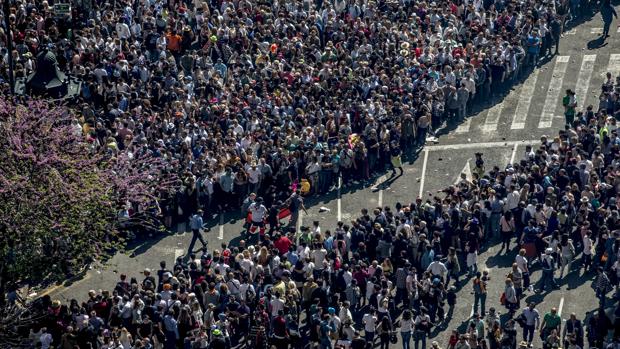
(573, 331)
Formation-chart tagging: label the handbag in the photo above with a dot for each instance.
(502, 298)
(393, 338)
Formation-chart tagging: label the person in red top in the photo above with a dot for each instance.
(282, 243)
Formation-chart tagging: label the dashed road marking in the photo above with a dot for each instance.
(339, 202)
(426, 151)
(583, 80)
(476, 146)
(221, 234)
(553, 94)
(614, 65)
(525, 99)
(492, 119)
(465, 126)
(466, 170)
(178, 252)
(514, 153)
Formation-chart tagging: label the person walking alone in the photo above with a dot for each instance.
(195, 224)
(607, 13)
(570, 104)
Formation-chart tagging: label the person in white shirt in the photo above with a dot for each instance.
(437, 268)
(512, 199)
(122, 30)
(254, 174)
(587, 251)
(276, 304)
(406, 327)
(370, 324)
(45, 339)
(258, 211)
(522, 263)
(319, 256)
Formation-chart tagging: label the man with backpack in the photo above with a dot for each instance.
(548, 268)
(295, 203)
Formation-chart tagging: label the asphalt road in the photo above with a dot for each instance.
(500, 131)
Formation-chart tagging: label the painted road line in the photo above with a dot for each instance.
(583, 80)
(478, 145)
(339, 216)
(426, 150)
(380, 199)
(553, 94)
(597, 30)
(221, 234)
(525, 99)
(614, 65)
(514, 153)
(466, 170)
(493, 115)
(465, 126)
(178, 252)
(561, 306)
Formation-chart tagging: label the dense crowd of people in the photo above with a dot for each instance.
(249, 101)
(391, 274)
(245, 97)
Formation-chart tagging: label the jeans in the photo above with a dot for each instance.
(195, 236)
(473, 269)
(294, 217)
(532, 58)
(369, 336)
(587, 260)
(528, 333)
(482, 299)
(406, 336)
(600, 294)
(422, 135)
(420, 336)
(606, 26)
(547, 276)
(566, 262)
(495, 217)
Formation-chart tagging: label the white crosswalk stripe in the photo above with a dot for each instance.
(525, 99)
(614, 65)
(553, 93)
(464, 127)
(583, 80)
(516, 109)
(493, 115)
(597, 30)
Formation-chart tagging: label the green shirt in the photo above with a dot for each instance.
(552, 321)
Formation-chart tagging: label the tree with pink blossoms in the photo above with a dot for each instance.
(60, 196)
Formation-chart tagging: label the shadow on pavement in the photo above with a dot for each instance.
(597, 43)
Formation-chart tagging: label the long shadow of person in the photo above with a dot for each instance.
(597, 43)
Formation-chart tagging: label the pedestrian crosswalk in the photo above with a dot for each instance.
(599, 30)
(553, 93)
(583, 80)
(537, 102)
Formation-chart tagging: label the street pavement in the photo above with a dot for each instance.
(500, 131)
